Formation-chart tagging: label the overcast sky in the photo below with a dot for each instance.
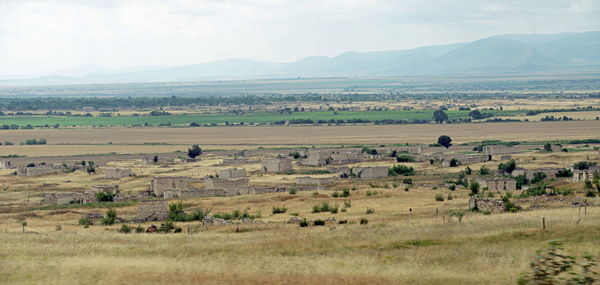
(38, 37)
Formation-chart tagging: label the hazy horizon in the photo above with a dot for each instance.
(42, 37)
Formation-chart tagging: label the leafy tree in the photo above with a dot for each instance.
(548, 147)
(583, 165)
(105, 196)
(508, 166)
(474, 187)
(440, 116)
(194, 152)
(445, 141)
(476, 115)
(521, 181)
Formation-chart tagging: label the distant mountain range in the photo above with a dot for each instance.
(519, 53)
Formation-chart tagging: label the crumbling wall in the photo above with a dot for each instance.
(5, 164)
(587, 174)
(232, 173)
(315, 181)
(317, 158)
(485, 204)
(63, 198)
(370, 172)
(276, 165)
(499, 183)
(116, 173)
(230, 186)
(153, 210)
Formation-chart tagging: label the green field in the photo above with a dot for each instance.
(256, 118)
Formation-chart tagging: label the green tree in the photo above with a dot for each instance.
(445, 141)
(194, 152)
(440, 116)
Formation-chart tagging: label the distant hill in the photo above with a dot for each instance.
(498, 54)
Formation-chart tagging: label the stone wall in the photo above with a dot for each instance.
(5, 164)
(63, 198)
(153, 210)
(499, 183)
(232, 173)
(116, 173)
(315, 181)
(485, 204)
(500, 149)
(108, 188)
(276, 165)
(370, 172)
(161, 184)
(233, 161)
(317, 158)
(465, 159)
(39, 170)
(230, 186)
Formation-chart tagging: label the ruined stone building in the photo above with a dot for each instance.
(276, 165)
(232, 173)
(40, 170)
(319, 182)
(153, 210)
(230, 187)
(63, 198)
(5, 164)
(530, 173)
(587, 174)
(498, 183)
(116, 173)
(485, 204)
(465, 159)
(370, 172)
(317, 158)
(163, 183)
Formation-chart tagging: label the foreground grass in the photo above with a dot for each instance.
(423, 250)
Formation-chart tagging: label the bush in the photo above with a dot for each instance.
(407, 181)
(125, 229)
(565, 172)
(553, 266)
(303, 224)
(405, 158)
(341, 222)
(347, 204)
(521, 181)
(370, 211)
(508, 166)
(345, 192)
(450, 197)
(105, 196)
(139, 229)
(474, 187)
(401, 170)
(323, 207)
(439, 197)
(454, 162)
(279, 210)
(293, 191)
(110, 218)
(86, 221)
(484, 170)
(318, 222)
(583, 165)
(177, 214)
(509, 205)
(452, 187)
(363, 221)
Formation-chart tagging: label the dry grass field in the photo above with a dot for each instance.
(249, 137)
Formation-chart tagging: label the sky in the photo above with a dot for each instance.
(67, 37)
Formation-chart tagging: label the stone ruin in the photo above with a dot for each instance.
(464, 159)
(230, 161)
(108, 188)
(317, 158)
(232, 173)
(164, 183)
(41, 170)
(486, 204)
(63, 198)
(5, 164)
(530, 173)
(500, 150)
(370, 172)
(274, 165)
(314, 181)
(152, 210)
(117, 173)
(229, 187)
(499, 183)
(341, 172)
(586, 174)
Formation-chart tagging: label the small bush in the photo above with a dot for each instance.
(407, 181)
(139, 229)
(303, 224)
(105, 196)
(335, 194)
(370, 211)
(341, 222)
(452, 187)
(439, 197)
(125, 229)
(279, 210)
(405, 158)
(323, 207)
(363, 221)
(110, 218)
(347, 204)
(318, 222)
(293, 191)
(86, 221)
(401, 170)
(450, 197)
(295, 214)
(345, 192)
(486, 212)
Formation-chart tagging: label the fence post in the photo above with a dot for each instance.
(544, 223)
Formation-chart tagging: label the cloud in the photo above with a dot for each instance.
(38, 36)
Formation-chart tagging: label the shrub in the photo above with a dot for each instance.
(86, 221)
(405, 158)
(335, 194)
(345, 192)
(166, 227)
(474, 187)
(509, 205)
(454, 162)
(279, 210)
(139, 229)
(363, 221)
(303, 223)
(407, 181)
(177, 214)
(334, 209)
(293, 191)
(439, 197)
(553, 266)
(110, 218)
(538, 177)
(105, 196)
(370, 211)
(323, 207)
(457, 213)
(486, 212)
(583, 165)
(401, 170)
(452, 187)
(521, 181)
(341, 222)
(450, 197)
(199, 214)
(468, 170)
(565, 172)
(125, 229)
(318, 222)
(508, 166)
(484, 170)
(347, 204)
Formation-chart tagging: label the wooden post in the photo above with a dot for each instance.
(544, 223)
(437, 211)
